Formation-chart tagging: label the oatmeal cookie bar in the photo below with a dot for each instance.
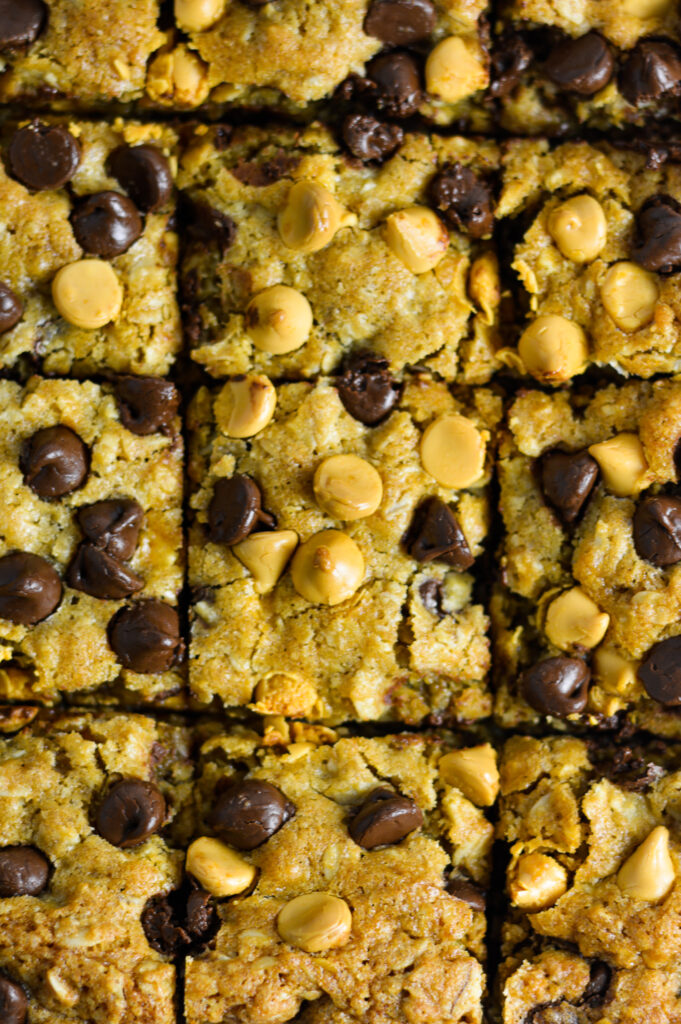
(298, 256)
(332, 552)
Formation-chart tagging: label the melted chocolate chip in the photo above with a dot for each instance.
(248, 813)
(595, 992)
(95, 572)
(13, 1001)
(584, 65)
(131, 811)
(54, 462)
(626, 769)
(463, 200)
(657, 530)
(106, 224)
(652, 70)
(180, 922)
(659, 226)
(385, 818)
(261, 173)
(43, 156)
(557, 686)
(469, 893)
(235, 510)
(397, 77)
(11, 308)
(400, 22)
(147, 405)
(145, 637)
(567, 481)
(21, 22)
(435, 534)
(367, 138)
(430, 593)
(144, 172)
(205, 225)
(511, 57)
(368, 390)
(30, 588)
(660, 672)
(112, 526)
(23, 871)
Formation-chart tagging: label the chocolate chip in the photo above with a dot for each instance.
(146, 405)
(11, 308)
(430, 593)
(112, 526)
(652, 70)
(659, 226)
(106, 224)
(553, 1013)
(397, 77)
(385, 818)
(43, 156)
(368, 390)
(584, 65)
(235, 510)
(248, 813)
(144, 172)
(370, 139)
(131, 811)
(54, 462)
(30, 588)
(205, 225)
(261, 173)
(595, 992)
(469, 893)
(21, 23)
(400, 22)
(145, 637)
(657, 530)
(557, 686)
(23, 871)
(511, 57)
(567, 481)
(463, 200)
(13, 1001)
(180, 922)
(95, 572)
(435, 534)
(660, 672)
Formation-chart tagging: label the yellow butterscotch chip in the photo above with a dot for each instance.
(648, 874)
(553, 349)
(646, 8)
(178, 77)
(536, 881)
(218, 868)
(454, 71)
(417, 237)
(474, 771)
(579, 228)
(311, 217)
(315, 922)
(87, 293)
(198, 15)
(614, 672)
(266, 555)
(484, 287)
(453, 451)
(347, 487)
(629, 294)
(245, 405)
(278, 319)
(622, 463)
(328, 568)
(283, 693)
(573, 619)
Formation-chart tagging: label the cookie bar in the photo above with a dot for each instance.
(377, 497)
(91, 558)
(87, 251)
(394, 59)
(76, 53)
(593, 881)
(357, 870)
(298, 256)
(590, 63)
(593, 234)
(588, 619)
(94, 815)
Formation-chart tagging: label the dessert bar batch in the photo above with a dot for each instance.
(340, 552)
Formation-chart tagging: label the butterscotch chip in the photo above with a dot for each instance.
(574, 620)
(266, 555)
(622, 462)
(245, 405)
(278, 319)
(553, 349)
(474, 771)
(630, 295)
(536, 881)
(418, 237)
(315, 922)
(220, 870)
(328, 568)
(198, 15)
(87, 293)
(311, 217)
(648, 874)
(579, 228)
(453, 451)
(178, 77)
(454, 71)
(615, 673)
(347, 487)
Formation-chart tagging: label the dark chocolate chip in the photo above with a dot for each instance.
(145, 637)
(657, 530)
(557, 686)
(106, 224)
(385, 818)
(97, 573)
(660, 672)
(511, 57)
(400, 22)
(54, 462)
(144, 172)
(430, 593)
(43, 156)
(130, 812)
(567, 481)
(235, 510)
(397, 77)
(21, 22)
(248, 813)
(11, 308)
(435, 534)
(659, 227)
(205, 225)
(652, 70)
(583, 65)
(147, 405)
(463, 200)
(180, 922)
(261, 173)
(595, 992)
(13, 1001)
(112, 526)
(30, 588)
(368, 390)
(469, 893)
(23, 871)
(367, 138)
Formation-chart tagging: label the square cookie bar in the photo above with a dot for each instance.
(391, 58)
(76, 53)
(593, 237)
(357, 870)
(91, 558)
(298, 256)
(593, 880)
(382, 519)
(591, 63)
(588, 620)
(87, 252)
(93, 814)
